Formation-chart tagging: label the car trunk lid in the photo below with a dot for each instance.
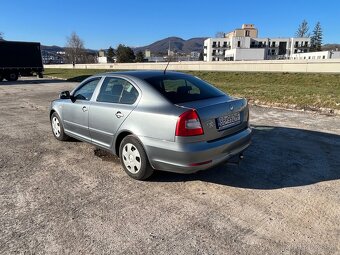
(219, 116)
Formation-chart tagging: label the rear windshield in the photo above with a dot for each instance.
(179, 88)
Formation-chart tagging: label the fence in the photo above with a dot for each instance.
(295, 66)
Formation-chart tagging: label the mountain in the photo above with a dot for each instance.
(332, 46)
(55, 49)
(52, 48)
(176, 44)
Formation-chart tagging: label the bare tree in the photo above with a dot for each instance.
(219, 35)
(303, 29)
(75, 50)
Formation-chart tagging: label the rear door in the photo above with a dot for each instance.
(115, 101)
(76, 113)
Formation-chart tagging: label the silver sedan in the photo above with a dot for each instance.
(154, 120)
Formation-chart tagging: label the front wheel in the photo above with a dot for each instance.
(133, 158)
(57, 128)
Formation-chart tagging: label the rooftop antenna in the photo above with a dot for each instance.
(168, 59)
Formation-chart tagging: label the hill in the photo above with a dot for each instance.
(54, 49)
(177, 44)
(332, 46)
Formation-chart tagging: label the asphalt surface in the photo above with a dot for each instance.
(69, 198)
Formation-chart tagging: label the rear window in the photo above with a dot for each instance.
(183, 88)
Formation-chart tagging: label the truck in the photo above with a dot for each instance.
(20, 59)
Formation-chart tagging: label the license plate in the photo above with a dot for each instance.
(228, 120)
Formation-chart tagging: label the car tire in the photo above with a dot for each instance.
(134, 159)
(57, 128)
(12, 77)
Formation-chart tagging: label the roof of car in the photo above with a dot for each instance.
(142, 74)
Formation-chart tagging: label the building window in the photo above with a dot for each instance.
(295, 51)
(205, 47)
(273, 44)
(225, 44)
(273, 52)
(306, 43)
(305, 50)
(218, 44)
(247, 33)
(214, 44)
(238, 44)
(323, 57)
(214, 52)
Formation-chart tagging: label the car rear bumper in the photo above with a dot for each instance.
(193, 157)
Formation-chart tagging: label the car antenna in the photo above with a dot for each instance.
(169, 57)
(167, 65)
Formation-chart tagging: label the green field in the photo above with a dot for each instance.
(297, 90)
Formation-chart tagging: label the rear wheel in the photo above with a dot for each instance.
(12, 76)
(57, 128)
(134, 159)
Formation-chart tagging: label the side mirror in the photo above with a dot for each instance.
(65, 95)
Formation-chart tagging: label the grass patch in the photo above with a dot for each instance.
(304, 90)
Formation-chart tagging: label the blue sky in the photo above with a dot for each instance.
(136, 23)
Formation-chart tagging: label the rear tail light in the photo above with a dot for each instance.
(189, 124)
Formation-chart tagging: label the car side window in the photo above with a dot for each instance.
(85, 92)
(117, 90)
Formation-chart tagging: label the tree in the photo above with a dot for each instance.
(201, 57)
(110, 55)
(316, 38)
(75, 51)
(219, 35)
(1, 35)
(303, 30)
(139, 56)
(124, 54)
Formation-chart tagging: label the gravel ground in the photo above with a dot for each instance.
(67, 197)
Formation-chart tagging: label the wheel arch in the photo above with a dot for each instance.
(119, 140)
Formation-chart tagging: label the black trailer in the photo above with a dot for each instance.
(20, 58)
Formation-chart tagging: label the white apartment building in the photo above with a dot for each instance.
(243, 44)
(316, 55)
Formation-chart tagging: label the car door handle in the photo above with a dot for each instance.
(84, 108)
(119, 114)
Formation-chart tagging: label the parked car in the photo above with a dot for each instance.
(154, 120)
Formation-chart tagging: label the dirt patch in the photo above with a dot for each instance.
(69, 197)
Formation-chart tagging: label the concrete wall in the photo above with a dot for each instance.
(300, 66)
(249, 54)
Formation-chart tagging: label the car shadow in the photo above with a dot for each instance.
(78, 78)
(279, 157)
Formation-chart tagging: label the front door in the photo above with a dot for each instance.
(76, 112)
